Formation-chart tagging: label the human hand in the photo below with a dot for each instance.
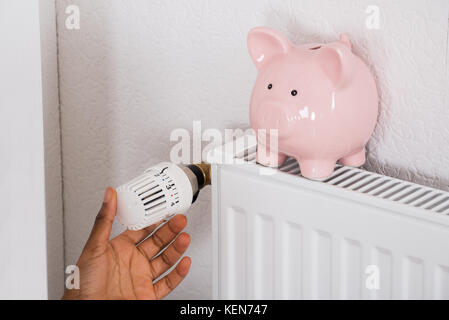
(121, 269)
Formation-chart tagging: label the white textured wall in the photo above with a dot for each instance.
(138, 69)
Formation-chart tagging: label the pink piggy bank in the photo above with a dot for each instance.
(321, 99)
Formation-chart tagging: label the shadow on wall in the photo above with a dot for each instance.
(52, 145)
(88, 122)
(407, 174)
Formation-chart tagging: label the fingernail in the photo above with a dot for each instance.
(107, 195)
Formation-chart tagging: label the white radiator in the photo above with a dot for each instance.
(356, 235)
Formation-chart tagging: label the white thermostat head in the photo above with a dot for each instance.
(159, 193)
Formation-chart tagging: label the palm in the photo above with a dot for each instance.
(126, 266)
(129, 270)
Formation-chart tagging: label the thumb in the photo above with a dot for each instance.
(103, 222)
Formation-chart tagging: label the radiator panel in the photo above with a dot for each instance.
(284, 237)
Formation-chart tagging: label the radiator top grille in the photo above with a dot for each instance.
(373, 184)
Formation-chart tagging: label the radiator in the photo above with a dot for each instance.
(355, 235)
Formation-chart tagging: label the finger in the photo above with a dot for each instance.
(172, 254)
(103, 222)
(162, 237)
(171, 281)
(136, 236)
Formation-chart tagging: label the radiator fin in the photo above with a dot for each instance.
(383, 259)
(264, 257)
(351, 266)
(413, 278)
(321, 265)
(292, 268)
(442, 282)
(236, 254)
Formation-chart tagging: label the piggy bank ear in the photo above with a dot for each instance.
(265, 43)
(337, 63)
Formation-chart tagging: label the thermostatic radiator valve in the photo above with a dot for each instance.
(159, 193)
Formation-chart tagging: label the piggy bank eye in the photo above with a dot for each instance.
(270, 86)
(294, 92)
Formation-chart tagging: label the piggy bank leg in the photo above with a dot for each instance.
(269, 159)
(316, 169)
(354, 160)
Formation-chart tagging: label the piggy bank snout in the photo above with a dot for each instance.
(272, 116)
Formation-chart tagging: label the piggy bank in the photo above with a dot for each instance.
(318, 101)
